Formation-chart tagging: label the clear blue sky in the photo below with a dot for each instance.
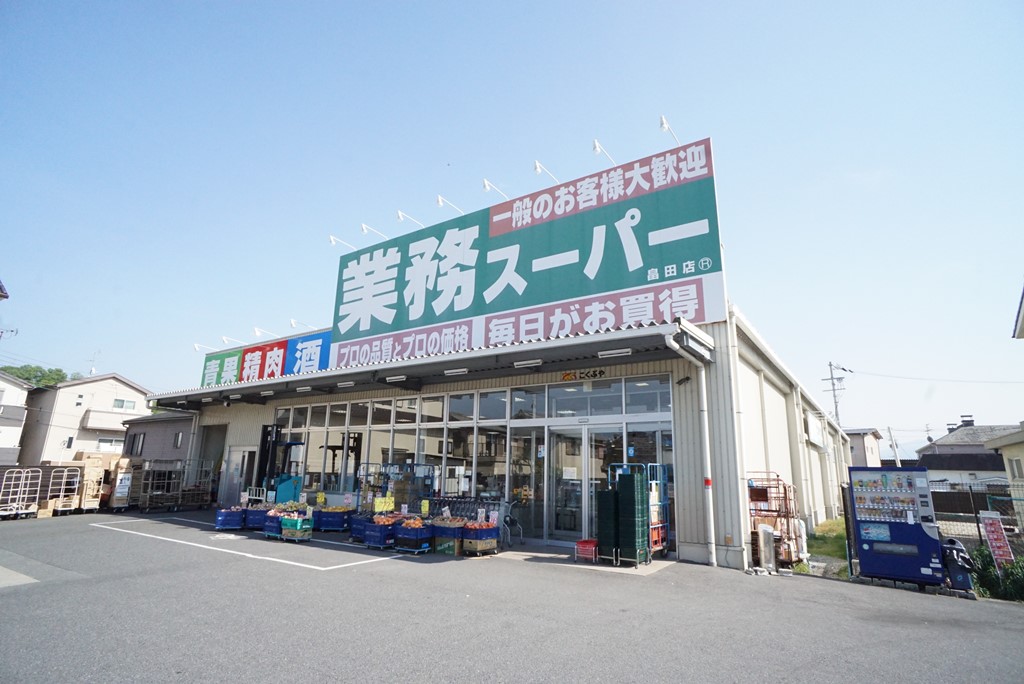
(170, 171)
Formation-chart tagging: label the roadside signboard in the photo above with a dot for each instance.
(995, 538)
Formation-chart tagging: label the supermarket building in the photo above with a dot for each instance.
(526, 349)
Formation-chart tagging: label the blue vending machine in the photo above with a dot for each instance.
(894, 525)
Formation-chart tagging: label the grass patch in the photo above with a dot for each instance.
(829, 539)
(801, 568)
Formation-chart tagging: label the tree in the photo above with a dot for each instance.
(36, 375)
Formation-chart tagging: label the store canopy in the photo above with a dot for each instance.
(645, 343)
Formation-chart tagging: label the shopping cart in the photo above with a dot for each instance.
(508, 523)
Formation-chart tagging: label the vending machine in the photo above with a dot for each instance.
(894, 525)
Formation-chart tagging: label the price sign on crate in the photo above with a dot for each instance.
(494, 517)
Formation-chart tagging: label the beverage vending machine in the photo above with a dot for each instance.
(894, 525)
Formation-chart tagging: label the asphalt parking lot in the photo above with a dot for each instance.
(166, 597)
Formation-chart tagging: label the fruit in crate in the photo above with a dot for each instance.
(476, 525)
(413, 522)
(385, 519)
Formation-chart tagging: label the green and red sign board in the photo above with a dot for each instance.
(634, 244)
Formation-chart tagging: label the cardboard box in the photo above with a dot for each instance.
(479, 545)
(447, 546)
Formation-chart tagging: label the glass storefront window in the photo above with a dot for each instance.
(282, 418)
(382, 409)
(379, 447)
(430, 449)
(591, 398)
(649, 442)
(433, 410)
(649, 395)
(313, 471)
(335, 462)
(359, 413)
(404, 449)
(318, 416)
(605, 397)
(493, 406)
(566, 401)
(405, 411)
(528, 402)
(336, 416)
(459, 463)
(490, 463)
(300, 415)
(460, 407)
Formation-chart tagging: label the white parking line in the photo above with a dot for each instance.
(126, 520)
(314, 541)
(243, 554)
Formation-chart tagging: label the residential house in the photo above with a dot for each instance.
(13, 396)
(960, 457)
(166, 435)
(864, 449)
(1011, 447)
(79, 415)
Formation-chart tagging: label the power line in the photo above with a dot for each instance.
(906, 377)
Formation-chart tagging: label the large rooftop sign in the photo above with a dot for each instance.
(634, 244)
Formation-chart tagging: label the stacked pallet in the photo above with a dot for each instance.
(634, 521)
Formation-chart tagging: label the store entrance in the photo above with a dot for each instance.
(577, 470)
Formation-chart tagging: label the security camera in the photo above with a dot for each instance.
(227, 403)
(683, 381)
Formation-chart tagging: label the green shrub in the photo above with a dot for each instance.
(987, 582)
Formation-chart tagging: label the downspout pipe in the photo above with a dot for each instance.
(705, 444)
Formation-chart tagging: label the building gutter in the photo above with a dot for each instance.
(699, 355)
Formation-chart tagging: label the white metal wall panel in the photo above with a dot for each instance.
(750, 412)
(777, 430)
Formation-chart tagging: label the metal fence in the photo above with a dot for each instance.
(957, 507)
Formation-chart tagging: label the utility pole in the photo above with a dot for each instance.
(895, 448)
(836, 382)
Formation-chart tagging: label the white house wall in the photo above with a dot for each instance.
(54, 415)
(12, 420)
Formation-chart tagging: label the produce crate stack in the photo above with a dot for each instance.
(634, 521)
(296, 528)
(480, 537)
(357, 526)
(448, 535)
(255, 517)
(607, 524)
(380, 532)
(230, 518)
(331, 518)
(414, 536)
(272, 524)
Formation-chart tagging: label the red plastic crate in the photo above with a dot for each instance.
(587, 550)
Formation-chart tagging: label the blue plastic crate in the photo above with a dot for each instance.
(447, 532)
(357, 527)
(254, 518)
(331, 521)
(230, 520)
(379, 535)
(417, 533)
(272, 526)
(477, 534)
